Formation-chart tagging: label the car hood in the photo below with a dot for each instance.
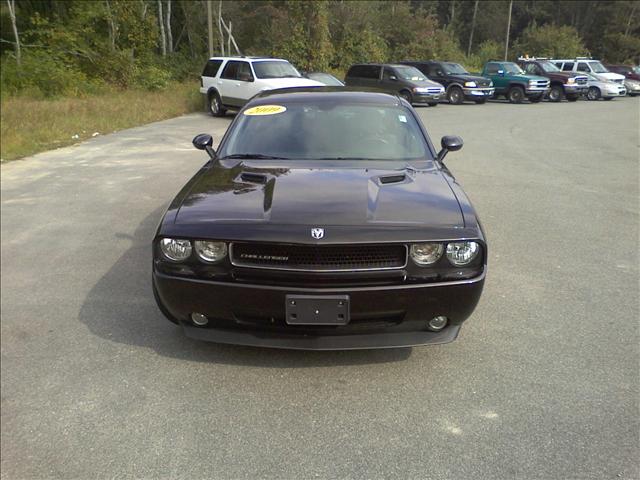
(422, 83)
(312, 193)
(470, 78)
(288, 82)
(612, 77)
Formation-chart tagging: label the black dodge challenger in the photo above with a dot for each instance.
(325, 220)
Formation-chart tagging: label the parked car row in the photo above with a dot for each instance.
(229, 82)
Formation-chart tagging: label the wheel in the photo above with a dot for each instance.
(215, 105)
(480, 101)
(536, 99)
(455, 96)
(608, 98)
(433, 104)
(572, 98)
(593, 93)
(407, 96)
(556, 92)
(515, 94)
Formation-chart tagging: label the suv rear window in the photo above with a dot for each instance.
(364, 71)
(233, 68)
(211, 68)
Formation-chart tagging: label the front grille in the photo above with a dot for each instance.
(433, 90)
(581, 80)
(540, 83)
(320, 258)
(483, 83)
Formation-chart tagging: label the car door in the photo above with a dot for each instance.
(226, 83)
(390, 80)
(246, 84)
(499, 81)
(435, 72)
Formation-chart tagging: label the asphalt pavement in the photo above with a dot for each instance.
(543, 382)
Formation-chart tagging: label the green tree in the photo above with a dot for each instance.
(549, 41)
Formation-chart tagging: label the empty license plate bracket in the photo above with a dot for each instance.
(317, 309)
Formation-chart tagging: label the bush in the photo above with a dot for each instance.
(43, 75)
(549, 41)
(488, 50)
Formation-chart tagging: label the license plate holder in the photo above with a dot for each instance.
(317, 309)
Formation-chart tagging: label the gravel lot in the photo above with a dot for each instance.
(542, 383)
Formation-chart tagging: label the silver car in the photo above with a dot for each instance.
(603, 89)
(632, 86)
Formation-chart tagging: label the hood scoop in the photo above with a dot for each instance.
(395, 178)
(251, 177)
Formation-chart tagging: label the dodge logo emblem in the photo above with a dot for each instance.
(317, 233)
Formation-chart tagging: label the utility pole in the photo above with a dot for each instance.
(12, 15)
(210, 23)
(473, 27)
(506, 45)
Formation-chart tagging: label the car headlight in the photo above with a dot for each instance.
(470, 84)
(420, 89)
(426, 253)
(209, 251)
(491, 83)
(571, 80)
(462, 253)
(175, 249)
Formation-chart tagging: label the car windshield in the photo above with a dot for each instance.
(513, 68)
(325, 78)
(275, 69)
(549, 67)
(326, 131)
(409, 73)
(454, 69)
(636, 69)
(597, 67)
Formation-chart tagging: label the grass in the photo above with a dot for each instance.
(29, 126)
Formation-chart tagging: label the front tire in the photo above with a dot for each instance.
(555, 94)
(515, 94)
(407, 96)
(215, 105)
(432, 104)
(593, 93)
(455, 96)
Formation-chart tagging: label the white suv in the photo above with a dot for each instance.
(230, 82)
(588, 65)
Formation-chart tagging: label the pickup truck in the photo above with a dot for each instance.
(512, 82)
(569, 85)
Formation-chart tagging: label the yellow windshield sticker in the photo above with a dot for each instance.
(265, 110)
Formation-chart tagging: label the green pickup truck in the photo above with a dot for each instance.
(512, 82)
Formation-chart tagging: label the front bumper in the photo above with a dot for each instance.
(619, 92)
(479, 92)
(426, 98)
(381, 316)
(532, 91)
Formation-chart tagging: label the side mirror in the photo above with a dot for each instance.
(501, 73)
(393, 77)
(449, 143)
(204, 141)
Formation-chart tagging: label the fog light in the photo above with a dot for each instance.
(437, 323)
(199, 319)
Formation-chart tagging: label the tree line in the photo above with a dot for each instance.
(54, 47)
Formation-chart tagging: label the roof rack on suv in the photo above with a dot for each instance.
(527, 58)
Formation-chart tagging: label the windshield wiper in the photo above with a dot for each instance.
(255, 156)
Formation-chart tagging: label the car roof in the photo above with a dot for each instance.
(316, 95)
(255, 59)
